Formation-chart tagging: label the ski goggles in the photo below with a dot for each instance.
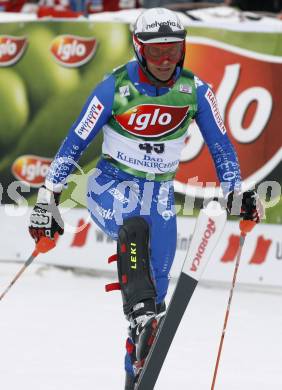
(157, 53)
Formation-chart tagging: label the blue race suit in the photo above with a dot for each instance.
(112, 191)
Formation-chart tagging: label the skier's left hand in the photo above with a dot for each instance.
(251, 206)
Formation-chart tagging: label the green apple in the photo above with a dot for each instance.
(14, 107)
(43, 75)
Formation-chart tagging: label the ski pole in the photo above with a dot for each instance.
(245, 227)
(45, 244)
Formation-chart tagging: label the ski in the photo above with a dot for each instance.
(208, 229)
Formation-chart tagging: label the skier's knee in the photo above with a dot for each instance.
(134, 269)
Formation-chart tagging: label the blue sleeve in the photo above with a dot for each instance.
(94, 115)
(211, 125)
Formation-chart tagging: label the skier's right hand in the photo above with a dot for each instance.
(251, 207)
(45, 219)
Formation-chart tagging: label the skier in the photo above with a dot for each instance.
(144, 108)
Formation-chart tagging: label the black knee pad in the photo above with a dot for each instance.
(134, 272)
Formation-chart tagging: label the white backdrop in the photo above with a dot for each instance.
(261, 262)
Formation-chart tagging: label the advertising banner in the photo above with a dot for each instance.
(48, 68)
(47, 71)
(247, 89)
(85, 246)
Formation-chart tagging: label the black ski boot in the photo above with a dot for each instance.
(143, 328)
(137, 287)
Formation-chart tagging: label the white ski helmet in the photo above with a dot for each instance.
(157, 25)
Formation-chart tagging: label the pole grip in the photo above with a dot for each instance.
(45, 244)
(246, 226)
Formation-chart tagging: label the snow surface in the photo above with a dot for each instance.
(61, 331)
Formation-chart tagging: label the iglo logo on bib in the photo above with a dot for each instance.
(151, 120)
